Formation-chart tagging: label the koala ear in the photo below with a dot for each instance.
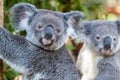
(20, 15)
(118, 25)
(86, 27)
(81, 32)
(74, 17)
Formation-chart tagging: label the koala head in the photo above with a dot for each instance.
(46, 29)
(101, 36)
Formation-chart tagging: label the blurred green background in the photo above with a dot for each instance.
(93, 9)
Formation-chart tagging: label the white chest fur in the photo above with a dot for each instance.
(87, 63)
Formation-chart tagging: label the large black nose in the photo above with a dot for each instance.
(48, 33)
(48, 36)
(107, 43)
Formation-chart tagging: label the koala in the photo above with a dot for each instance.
(41, 54)
(99, 57)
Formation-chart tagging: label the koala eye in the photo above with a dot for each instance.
(39, 27)
(114, 39)
(97, 37)
(58, 30)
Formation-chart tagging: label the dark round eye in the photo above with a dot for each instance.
(114, 39)
(58, 30)
(97, 37)
(39, 27)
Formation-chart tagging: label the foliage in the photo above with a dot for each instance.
(9, 73)
(93, 9)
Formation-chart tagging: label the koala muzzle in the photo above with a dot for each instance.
(107, 43)
(48, 33)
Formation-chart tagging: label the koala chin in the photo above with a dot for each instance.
(42, 54)
(98, 58)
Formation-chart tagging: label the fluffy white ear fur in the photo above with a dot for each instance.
(71, 32)
(23, 25)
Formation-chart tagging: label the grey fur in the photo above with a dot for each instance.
(108, 65)
(28, 55)
(109, 68)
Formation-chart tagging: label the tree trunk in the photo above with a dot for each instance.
(1, 24)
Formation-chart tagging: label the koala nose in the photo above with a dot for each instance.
(48, 36)
(107, 43)
(48, 33)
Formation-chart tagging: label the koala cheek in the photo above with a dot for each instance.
(42, 35)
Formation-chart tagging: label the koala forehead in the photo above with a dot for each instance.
(48, 17)
(104, 28)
